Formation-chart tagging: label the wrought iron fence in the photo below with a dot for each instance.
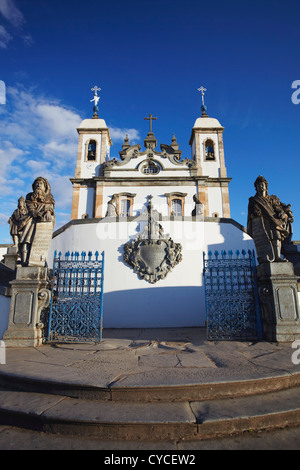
(76, 308)
(231, 296)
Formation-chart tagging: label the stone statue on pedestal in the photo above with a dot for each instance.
(35, 215)
(269, 223)
(31, 228)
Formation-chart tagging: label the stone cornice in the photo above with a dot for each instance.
(151, 179)
(204, 130)
(162, 218)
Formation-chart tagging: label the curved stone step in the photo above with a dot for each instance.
(189, 420)
(195, 392)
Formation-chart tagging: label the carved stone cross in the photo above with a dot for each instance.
(150, 118)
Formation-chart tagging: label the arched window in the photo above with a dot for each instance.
(176, 207)
(151, 169)
(209, 150)
(91, 153)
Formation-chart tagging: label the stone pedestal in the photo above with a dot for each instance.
(277, 288)
(30, 295)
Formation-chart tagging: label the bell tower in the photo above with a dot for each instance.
(94, 144)
(208, 152)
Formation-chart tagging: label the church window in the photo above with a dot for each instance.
(209, 150)
(176, 202)
(123, 203)
(150, 169)
(176, 207)
(91, 153)
(125, 207)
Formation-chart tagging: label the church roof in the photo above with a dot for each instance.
(92, 124)
(207, 123)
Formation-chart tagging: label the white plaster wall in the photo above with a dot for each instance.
(82, 206)
(159, 201)
(215, 201)
(178, 300)
(4, 314)
(86, 202)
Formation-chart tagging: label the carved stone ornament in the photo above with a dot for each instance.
(152, 255)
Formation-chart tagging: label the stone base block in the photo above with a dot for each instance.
(30, 296)
(23, 337)
(277, 288)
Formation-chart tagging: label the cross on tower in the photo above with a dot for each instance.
(150, 118)
(202, 89)
(96, 97)
(95, 89)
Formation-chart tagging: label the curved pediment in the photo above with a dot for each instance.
(166, 159)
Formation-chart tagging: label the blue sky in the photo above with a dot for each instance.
(149, 57)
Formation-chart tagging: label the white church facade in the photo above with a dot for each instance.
(190, 199)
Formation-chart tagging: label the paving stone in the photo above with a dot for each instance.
(27, 402)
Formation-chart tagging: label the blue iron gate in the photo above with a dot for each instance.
(231, 296)
(76, 307)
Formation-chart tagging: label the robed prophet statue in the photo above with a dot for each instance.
(269, 223)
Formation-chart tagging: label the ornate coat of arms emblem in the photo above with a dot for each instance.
(152, 254)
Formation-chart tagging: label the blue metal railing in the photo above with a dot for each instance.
(76, 307)
(231, 296)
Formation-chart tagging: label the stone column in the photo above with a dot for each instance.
(277, 288)
(30, 295)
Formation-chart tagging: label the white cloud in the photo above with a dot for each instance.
(11, 13)
(5, 37)
(38, 137)
(120, 134)
(16, 21)
(4, 218)
(58, 120)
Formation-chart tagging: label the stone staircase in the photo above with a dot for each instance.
(192, 412)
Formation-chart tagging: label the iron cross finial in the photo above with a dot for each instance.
(150, 118)
(96, 97)
(202, 89)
